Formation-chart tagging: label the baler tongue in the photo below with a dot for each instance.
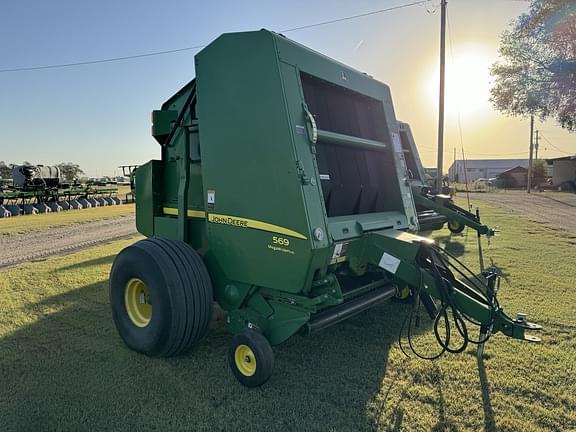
(524, 324)
(443, 205)
(467, 299)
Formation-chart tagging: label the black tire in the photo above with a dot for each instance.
(177, 289)
(257, 367)
(455, 227)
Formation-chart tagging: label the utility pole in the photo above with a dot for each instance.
(536, 145)
(531, 151)
(455, 168)
(441, 96)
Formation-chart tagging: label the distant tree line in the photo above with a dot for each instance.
(69, 170)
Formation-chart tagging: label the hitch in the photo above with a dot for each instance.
(468, 299)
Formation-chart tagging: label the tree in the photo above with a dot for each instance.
(536, 71)
(5, 170)
(538, 172)
(69, 170)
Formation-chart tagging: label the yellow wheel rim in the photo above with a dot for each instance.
(454, 225)
(403, 293)
(245, 360)
(138, 304)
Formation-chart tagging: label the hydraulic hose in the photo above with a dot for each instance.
(438, 262)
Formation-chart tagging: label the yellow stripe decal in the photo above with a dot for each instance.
(237, 221)
(338, 260)
(251, 223)
(191, 213)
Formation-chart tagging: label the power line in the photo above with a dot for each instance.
(553, 146)
(519, 153)
(196, 47)
(393, 8)
(497, 154)
(494, 154)
(459, 119)
(429, 150)
(458, 96)
(108, 60)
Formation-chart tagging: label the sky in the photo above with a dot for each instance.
(99, 115)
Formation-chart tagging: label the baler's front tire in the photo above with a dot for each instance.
(161, 297)
(251, 358)
(455, 227)
(404, 294)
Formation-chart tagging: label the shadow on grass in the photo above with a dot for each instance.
(69, 370)
(90, 263)
(489, 422)
(443, 423)
(452, 243)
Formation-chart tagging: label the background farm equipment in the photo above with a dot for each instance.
(281, 194)
(36, 177)
(435, 208)
(129, 172)
(42, 189)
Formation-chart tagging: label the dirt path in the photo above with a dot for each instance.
(19, 248)
(557, 209)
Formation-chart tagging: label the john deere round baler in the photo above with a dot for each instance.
(282, 195)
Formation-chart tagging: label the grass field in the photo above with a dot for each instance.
(63, 367)
(40, 222)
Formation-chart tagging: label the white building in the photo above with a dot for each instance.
(482, 168)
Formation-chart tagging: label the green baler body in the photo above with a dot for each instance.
(284, 169)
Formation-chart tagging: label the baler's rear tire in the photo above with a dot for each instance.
(455, 227)
(161, 297)
(251, 358)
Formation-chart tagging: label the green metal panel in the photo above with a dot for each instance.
(418, 177)
(148, 196)
(248, 163)
(342, 75)
(162, 123)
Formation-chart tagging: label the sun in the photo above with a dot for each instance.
(467, 82)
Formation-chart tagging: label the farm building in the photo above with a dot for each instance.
(482, 168)
(513, 178)
(563, 169)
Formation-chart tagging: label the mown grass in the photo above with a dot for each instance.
(41, 222)
(63, 367)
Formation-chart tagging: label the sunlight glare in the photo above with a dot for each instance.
(467, 82)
